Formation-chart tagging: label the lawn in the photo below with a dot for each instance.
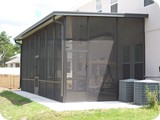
(15, 107)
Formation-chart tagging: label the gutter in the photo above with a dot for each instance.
(16, 41)
(20, 63)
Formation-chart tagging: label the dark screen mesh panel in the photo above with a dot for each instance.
(41, 69)
(126, 62)
(50, 62)
(36, 57)
(102, 59)
(32, 86)
(28, 58)
(50, 90)
(42, 88)
(79, 24)
(138, 53)
(126, 71)
(36, 81)
(23, 87)
(75, 58)
(27, 84)
(130, 33)
(32, 54)
(139, 71)
(23, 59)
(126, 54)
(42, 59)
(23, 65)
(139, 61)
(90, 59)
(50, 53)
(57, 63)
(57, 92)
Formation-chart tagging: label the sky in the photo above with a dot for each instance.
(17, 15)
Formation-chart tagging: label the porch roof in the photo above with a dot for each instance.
(57, 14)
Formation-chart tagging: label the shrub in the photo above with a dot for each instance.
(152, 98)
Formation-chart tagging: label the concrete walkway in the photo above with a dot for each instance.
(1, 117)
(58, 106)
(158, 118)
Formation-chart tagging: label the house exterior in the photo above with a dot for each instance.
(152, 26)
(14, 61)
(81, 56)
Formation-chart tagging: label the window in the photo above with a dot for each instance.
(114, 5)
(126, 62)
(148, 2)
(138, 53)
(126, 54)
(138, 61)
(98, 6)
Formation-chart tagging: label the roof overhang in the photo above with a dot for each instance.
(58, 14)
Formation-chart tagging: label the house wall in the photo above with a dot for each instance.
(152, 28)
(90, 6)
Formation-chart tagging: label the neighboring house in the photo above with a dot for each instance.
(81, 56)
(14, 61)
(152, 26)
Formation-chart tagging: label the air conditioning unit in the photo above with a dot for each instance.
(140, 90)
(126, 90)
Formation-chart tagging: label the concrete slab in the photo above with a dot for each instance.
(58, 106)
(1, 117)
(158, 117)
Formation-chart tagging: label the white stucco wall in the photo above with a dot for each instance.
(152, 48)
(152, 35)
(152, 28)
(106, 5)
(134, 6)
(90, 6)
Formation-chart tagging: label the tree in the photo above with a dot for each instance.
(7, 49)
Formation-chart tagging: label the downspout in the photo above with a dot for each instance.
(62, 44)
(20, 63)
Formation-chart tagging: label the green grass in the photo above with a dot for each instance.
(15, 107)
